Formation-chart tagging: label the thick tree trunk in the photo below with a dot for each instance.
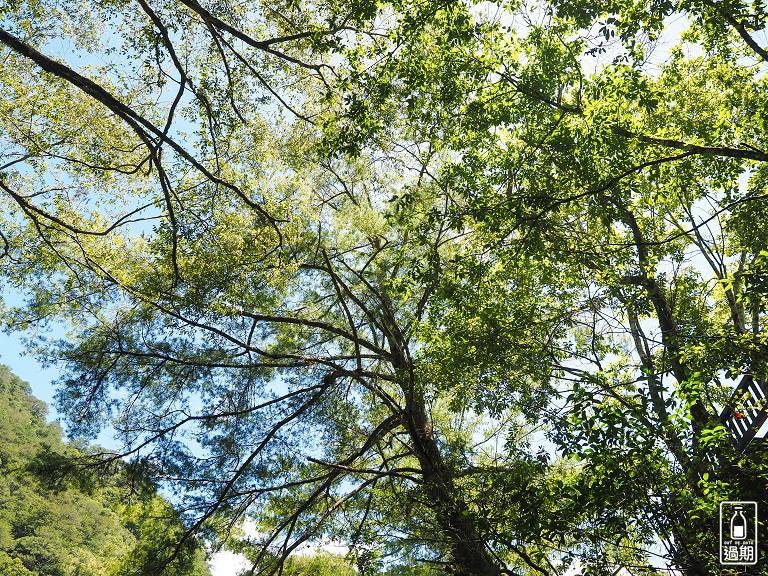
(469, 554)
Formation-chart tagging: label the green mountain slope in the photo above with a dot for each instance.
(54, 523)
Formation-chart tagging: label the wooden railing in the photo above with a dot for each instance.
(747, 411)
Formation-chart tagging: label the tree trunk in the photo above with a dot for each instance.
(469, 555)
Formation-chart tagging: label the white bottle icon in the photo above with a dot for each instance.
(738, 525)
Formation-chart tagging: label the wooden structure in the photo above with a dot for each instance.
(747, 411)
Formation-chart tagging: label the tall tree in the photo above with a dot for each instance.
(644, 180)
(456, 226)
(277, 298)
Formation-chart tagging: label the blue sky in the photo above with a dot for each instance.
(15, 354)
(12, 354)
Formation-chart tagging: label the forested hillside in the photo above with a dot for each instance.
(55, 523)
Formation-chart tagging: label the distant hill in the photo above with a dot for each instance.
(59, 520)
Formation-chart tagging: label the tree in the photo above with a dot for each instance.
(458, 228)
(644, 182)
(254, 326)
(255, 351)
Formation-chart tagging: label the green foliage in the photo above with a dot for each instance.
(57, 520)
(13, 566)
(316, 563)
(469, 282)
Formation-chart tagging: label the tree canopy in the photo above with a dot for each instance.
(467, 285)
